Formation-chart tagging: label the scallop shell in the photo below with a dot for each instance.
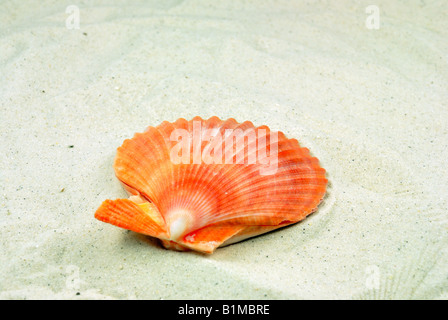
(202, 184)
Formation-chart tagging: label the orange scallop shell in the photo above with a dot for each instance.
(202, 205)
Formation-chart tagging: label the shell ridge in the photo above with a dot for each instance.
(202, 175)
(126, 214)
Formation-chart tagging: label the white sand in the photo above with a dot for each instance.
(370, 104)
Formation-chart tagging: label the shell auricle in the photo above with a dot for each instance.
(202, 184)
